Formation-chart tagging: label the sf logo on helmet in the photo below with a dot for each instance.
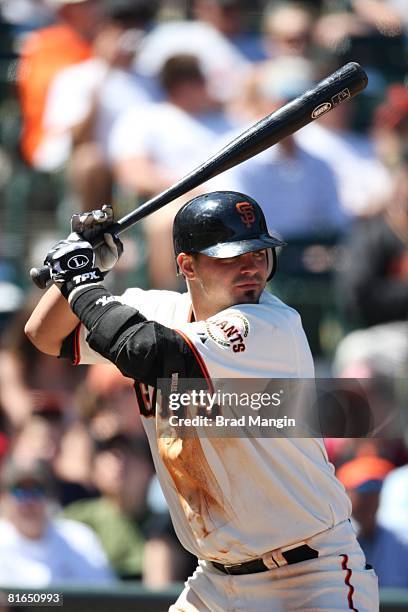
(246, 212)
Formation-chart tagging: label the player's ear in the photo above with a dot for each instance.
(186, 265)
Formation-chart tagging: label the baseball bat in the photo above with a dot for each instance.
(340, 86)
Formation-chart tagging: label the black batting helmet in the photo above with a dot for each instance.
(223, 224)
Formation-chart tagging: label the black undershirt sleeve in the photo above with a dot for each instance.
(68, 347)
(142, 350)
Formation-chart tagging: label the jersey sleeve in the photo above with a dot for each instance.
(263, 340)
(252, 341)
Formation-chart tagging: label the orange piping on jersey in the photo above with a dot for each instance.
(148, 411)
(347, 581)
(199, 360)
(77, 346)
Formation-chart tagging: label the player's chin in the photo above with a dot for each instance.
(249, 295)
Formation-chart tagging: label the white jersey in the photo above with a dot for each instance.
(233, 499)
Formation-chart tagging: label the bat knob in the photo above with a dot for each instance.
(41, 276)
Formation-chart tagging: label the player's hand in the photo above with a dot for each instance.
(72, 264)
(90, 224)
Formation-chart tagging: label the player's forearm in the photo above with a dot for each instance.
(51, 322)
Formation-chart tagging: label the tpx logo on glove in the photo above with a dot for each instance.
(77, 262)
(93, 275)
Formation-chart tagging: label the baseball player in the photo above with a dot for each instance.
(266, 517)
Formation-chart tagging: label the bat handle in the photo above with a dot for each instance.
(40, 276)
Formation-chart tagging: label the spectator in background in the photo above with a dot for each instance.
(11, 295)
(297, 190)
(40, 439)
(85, 99)
(287, 29)
(373, 288)
(168, 140)
(377, 398)
(393, 510)
(27, 15)
(7, 47)
(363, 478)
(43, 54)
(384, 16)
(373, 299)
(222, 63)
(37, 550)
(4, 440)
(233, 20)
(390, 125)
(401, 8)
(363, 182)
(375, 281)
(72, 465)
(23, 370)
(108, 403)
(359, 18)
(122, 470)
(368, 32)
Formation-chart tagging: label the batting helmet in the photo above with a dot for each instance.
(223, 224)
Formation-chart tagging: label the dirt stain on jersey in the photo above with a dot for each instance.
(200, 495)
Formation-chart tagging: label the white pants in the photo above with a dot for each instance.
(336, 580)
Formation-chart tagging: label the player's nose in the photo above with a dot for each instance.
(248, 262)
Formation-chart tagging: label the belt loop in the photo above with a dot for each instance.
(273, 559)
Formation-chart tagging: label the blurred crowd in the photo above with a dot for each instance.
(115, 100)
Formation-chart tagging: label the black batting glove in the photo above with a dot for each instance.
(72, 264)
(88, 225)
